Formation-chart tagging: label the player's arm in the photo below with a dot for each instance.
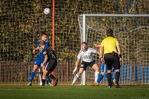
(101, 54)
(35, 49)
(118, 50)
(94, 51)
(77, 62)
(77, 65)
(45, 60)
(97, 45)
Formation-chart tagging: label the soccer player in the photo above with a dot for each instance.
(103, 74)
(86, 54)
(112, 56)
(49, 63)
(39, 59)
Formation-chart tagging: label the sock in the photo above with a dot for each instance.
(48, 79)
(100, 77)
(75, 78)
(117, 77)
(40, 79)
(109, 79)
(112, 79)
(32, 76)
(96, 75)
(52, 77)
(43, 82)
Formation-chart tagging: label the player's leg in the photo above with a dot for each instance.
(50, 67)
(117, 77)
(48, 81)
(44, 76)
(96, 68)
(32, 75)
(53, 78)
(112, 79)
(117, 70)
(77, 75)
(100, 77)
(108, 62)
(40, 77)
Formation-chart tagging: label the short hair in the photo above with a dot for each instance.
(84, 43)
(43, 34)
(109, 32)
(42, 42)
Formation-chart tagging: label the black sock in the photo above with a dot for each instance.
(43, 82)
(109, 79)
(52, 77)
(117, 77)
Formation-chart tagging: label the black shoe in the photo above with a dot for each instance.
(109, 86)
(55, 82)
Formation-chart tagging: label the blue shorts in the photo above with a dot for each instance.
(38, 61)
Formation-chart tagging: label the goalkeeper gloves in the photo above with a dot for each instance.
(75, 69)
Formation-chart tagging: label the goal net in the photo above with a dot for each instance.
(132, 31)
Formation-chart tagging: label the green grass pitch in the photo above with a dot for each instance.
(74, 92)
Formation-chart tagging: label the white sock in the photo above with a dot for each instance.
(40, 79)
(75, 78)
(96, 75)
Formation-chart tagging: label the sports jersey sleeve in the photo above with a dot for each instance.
(92, 50)
(47, 44)
(79, 55)
(38, 42)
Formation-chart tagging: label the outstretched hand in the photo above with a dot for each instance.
(75, 69)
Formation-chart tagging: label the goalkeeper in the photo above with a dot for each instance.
(86, 54)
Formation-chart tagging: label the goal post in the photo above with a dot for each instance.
(132, 31)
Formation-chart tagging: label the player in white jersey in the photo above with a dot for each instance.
(86, 54)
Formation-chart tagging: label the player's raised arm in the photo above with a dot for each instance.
(97, 45)
(35, 49)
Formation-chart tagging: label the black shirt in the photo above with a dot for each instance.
(51, 54)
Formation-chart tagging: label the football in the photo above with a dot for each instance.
(46, 11)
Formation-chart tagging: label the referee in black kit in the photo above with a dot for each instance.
(112, 55)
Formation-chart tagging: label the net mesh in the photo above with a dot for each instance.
(21, 22)
(132, 34)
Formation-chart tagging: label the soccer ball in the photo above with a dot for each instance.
(46, 11)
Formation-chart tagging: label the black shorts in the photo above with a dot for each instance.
(112, 59)
(86, 64)
(51, 65)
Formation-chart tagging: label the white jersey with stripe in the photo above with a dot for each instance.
(87, 56)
